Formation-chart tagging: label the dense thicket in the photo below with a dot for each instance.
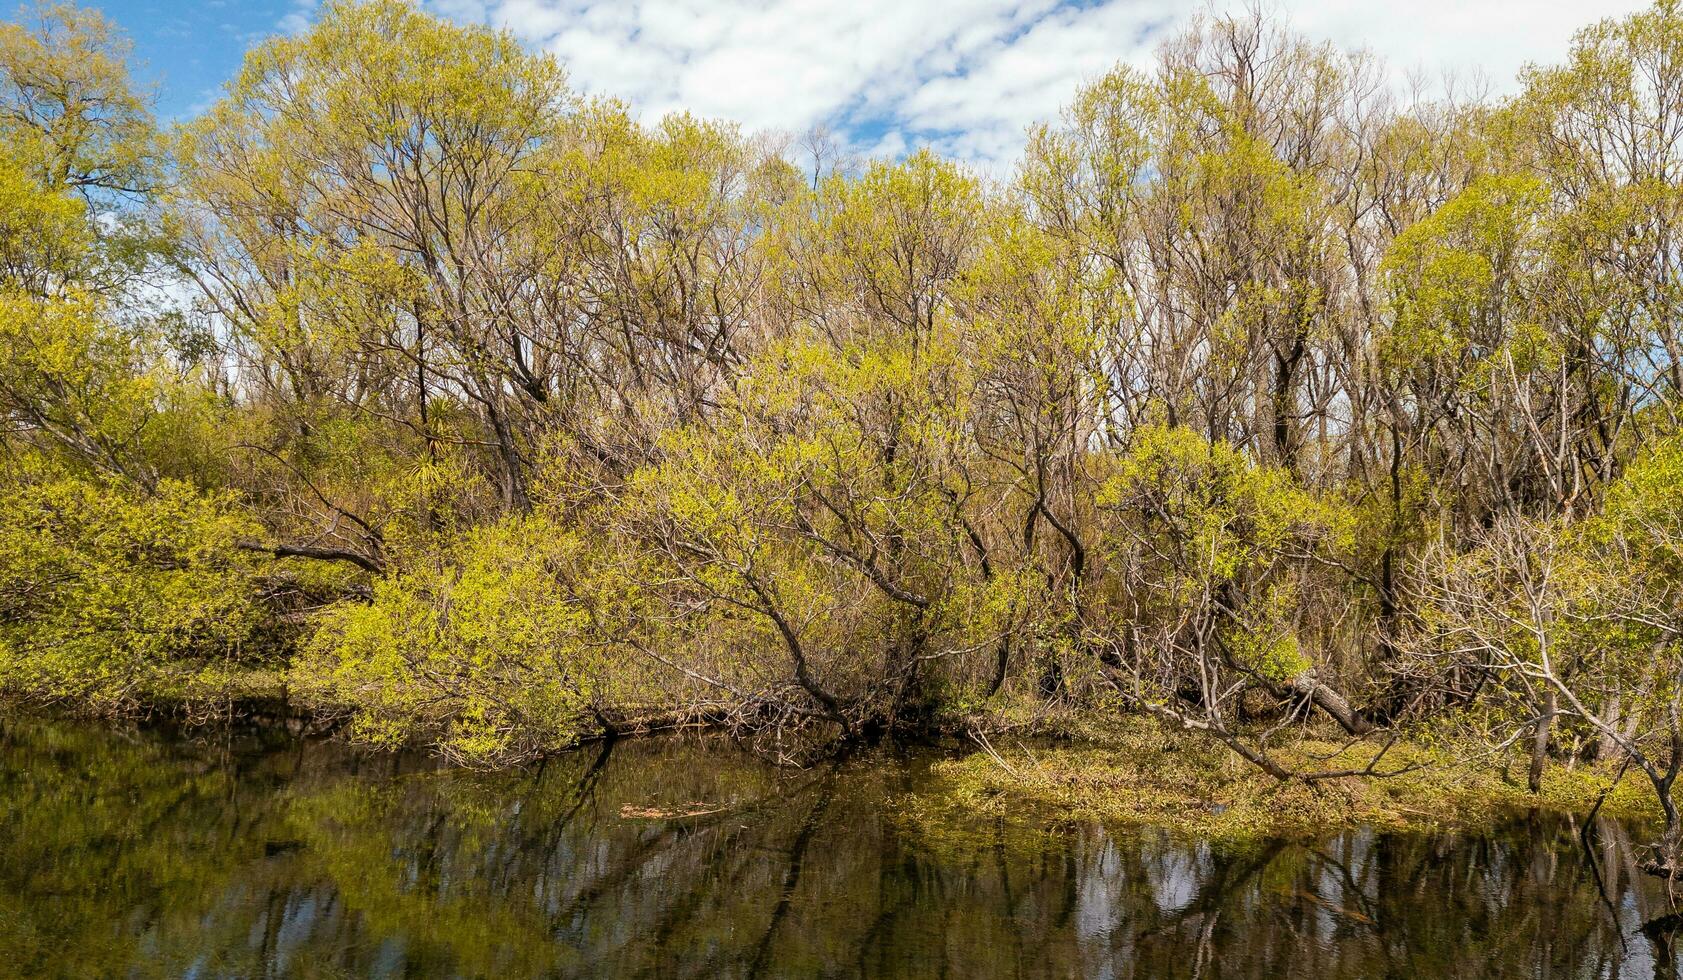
(1259, 394)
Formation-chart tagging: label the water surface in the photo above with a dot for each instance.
(138, 853)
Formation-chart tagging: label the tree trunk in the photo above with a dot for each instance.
(1337, 707)
(1540, 742)
(1606, 747)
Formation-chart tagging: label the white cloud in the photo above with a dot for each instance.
(297, 20)
(968, 76)
(1493, 37)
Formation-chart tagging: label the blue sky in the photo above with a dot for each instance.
(966, 76)
(188, 48)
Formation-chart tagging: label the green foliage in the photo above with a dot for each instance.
(1268, 642)
(486, 653)
(1456, 273)
(70, 115)
(103, 395)
(111, 597)
(1215, 516)
(1642, 511)
(45, 238)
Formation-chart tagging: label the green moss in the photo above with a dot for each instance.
(1139, 774)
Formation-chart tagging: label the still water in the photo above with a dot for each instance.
(136, 853)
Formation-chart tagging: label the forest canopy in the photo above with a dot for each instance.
(410, 381)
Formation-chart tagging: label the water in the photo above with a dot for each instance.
(135, 853)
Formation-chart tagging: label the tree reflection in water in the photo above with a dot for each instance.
(136, 853)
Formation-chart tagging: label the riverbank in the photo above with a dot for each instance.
(208, 697)
(1124, 772)
(1136, 773)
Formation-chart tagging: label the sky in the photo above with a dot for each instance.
(964, 76)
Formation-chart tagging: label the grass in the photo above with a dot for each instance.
(1137, 773)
